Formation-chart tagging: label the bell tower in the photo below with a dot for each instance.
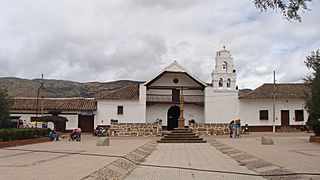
(224, 74)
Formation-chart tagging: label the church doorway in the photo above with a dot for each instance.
(172, 117)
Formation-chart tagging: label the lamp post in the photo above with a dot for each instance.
(37, 101)
(274, 103)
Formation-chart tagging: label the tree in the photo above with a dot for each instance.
(313, 97)
(290, 9)
(5, 104)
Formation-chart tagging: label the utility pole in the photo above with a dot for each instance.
(42, 87)
(37, 101)
(274, 103)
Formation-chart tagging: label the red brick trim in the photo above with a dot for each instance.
(24, 142)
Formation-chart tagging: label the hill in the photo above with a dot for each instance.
(18, 87)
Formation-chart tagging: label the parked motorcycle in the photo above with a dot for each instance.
(100, 131)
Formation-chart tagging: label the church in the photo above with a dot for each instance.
(206, 105)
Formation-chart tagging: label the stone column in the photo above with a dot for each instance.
(181, 118)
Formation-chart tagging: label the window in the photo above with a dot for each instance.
(298, 115)
(120, 109)
(228, 82)
(220, 82)
(263, 115)
(225, 66)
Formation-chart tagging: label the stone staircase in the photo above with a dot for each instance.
(181, 135)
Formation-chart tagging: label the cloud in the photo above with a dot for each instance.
(110, 40)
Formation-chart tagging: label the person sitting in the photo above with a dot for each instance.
(75, 134)
(50, 134)
(55, 135)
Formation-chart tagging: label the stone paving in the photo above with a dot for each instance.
(260, 166)
(63, 159)
(144, 159)
(188, 155)
(121, 168)
(291, 153)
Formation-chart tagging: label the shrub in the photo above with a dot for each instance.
(314, 123)
(19, 134)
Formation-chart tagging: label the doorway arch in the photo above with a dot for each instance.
(172, 117)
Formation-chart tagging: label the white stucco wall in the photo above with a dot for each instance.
(221, 106)
(72, 121)
(142, 102)
(159, 111)
(249, 111)
(132, 111)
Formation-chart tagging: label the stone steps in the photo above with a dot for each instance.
(181, 141)
(182, 135)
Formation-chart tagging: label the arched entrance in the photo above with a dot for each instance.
(172, 117)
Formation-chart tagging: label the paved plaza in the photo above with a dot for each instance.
(213, 160)
(63, 159)
(292, 151)
(188, 155)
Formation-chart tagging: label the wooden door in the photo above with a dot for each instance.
(86, 123)
(284, 117)
(172, 117)
(60, 126)
(175, 96)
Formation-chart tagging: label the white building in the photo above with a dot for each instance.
(215, 102)
(79, 111)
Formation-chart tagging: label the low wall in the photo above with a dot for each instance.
(135, 129)
(24, 142)
(315, 139)
(209, 129)
(155, 129)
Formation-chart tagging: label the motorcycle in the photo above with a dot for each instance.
(100, 131)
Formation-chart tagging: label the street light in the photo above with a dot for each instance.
(37, 102)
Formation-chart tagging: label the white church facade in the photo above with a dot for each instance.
(203, 103)
(206, 103)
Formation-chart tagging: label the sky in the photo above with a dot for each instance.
(103, 41)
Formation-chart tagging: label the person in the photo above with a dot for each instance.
(231, 128)
(75, 134)
(78, 134)
(246, 129)
(238, 127)
(50, 133)
(55, 135)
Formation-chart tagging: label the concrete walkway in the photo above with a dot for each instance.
(200, 156)
(63, 159)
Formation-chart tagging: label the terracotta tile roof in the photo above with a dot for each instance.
(66, 104)
(125, 93)
(285, 90)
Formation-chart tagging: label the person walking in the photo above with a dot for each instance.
(238, 128)
(231, 124)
